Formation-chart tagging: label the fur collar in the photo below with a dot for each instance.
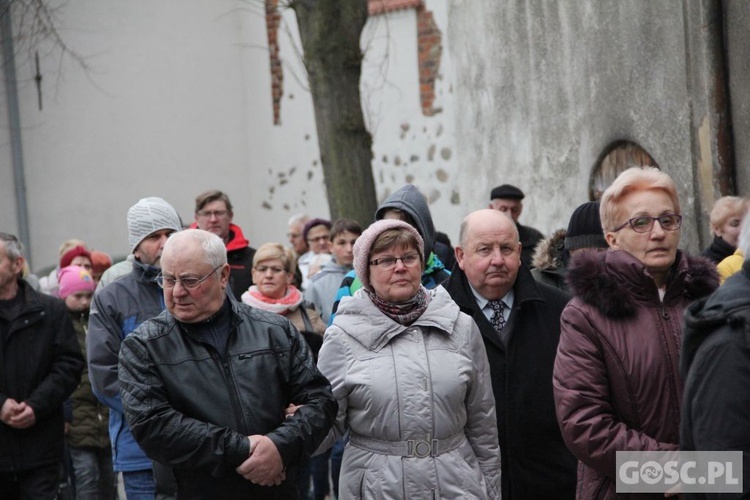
(615, 282)
(549, 252)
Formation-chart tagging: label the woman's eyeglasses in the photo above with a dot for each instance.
(319, 238)
(645, 223)
(390, 262)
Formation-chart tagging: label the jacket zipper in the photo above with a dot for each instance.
(226, 370)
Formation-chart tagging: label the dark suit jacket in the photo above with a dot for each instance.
(536, 464)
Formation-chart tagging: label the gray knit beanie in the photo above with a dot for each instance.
(364, 243)
(148, 216)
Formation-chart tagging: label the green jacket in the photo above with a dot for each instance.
(89, 427)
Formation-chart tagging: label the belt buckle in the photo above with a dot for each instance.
(422, 448)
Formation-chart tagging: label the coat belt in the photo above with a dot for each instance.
(420, 448)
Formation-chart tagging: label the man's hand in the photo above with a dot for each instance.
(17, 415)
(264, 467)
(291, 409)
(9, 409)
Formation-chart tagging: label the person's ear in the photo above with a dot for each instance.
(224, 277)
(459, 253)
(18, 266)
(611, 240)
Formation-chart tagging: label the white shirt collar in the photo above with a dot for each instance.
(482, 302)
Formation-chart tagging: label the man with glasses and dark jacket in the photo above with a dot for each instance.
(206, 384)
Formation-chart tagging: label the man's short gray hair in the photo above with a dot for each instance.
(298, 219)
(213, 247)
(13, 247)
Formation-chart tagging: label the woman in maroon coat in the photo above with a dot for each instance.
(616, 378)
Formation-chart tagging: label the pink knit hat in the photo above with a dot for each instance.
(74, 279)
(364, 243)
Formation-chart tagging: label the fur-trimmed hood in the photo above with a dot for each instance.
(549, 253)
(615, 282)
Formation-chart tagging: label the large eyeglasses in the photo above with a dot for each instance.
(645, 223)
(189, 282)
(213, 213)
(390, 262)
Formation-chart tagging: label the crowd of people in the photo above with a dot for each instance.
(376, 362)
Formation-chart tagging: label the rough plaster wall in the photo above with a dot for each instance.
(558, 82)
(737, 20)
(409, 146)
(289, 167)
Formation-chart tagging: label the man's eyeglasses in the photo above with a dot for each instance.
(645, 223)
(387, 263)
(189, 282)
(213, 213)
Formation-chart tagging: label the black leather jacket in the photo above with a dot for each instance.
(189, 409)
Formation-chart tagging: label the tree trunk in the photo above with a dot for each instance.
(330, 32)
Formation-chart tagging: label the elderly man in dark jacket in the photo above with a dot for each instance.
(520, 323)
(40, 366)
(205, 384)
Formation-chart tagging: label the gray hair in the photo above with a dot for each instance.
(213, 247)
(743, 242)
(13, 247)
(298, 219)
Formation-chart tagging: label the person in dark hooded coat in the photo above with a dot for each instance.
(715, 363)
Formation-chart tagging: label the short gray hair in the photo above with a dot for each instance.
(13, 247)
(213, 247)
(298, 219)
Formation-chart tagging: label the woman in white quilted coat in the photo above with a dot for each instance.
(411, 377)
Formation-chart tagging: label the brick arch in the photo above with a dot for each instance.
(616, 157)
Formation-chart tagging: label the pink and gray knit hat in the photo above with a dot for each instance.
(364, 243)
(74, 279)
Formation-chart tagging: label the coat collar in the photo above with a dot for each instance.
(360, 319)
(525, 289)
(615, 282)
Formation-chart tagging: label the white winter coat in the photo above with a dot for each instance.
(417, 401)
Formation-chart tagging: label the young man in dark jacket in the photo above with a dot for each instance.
(205, 385)
(40, 366)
